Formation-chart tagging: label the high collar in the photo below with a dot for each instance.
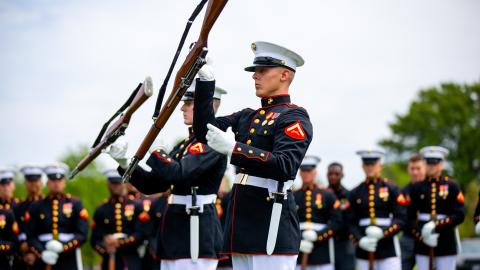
(275, 100)
(56, 196)
(336, 188)
(373, 180)
(34, 197)
(117, 199)
(312, 187)
(6, 201)
(434, 179)
(190, 132)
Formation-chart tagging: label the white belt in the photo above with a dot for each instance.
(62, 237)
(428, 217)
(187, 200)
(270, 184)
(312, 226)
(378, 221)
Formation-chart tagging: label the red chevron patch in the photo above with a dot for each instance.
(295, 131)
(196, 148)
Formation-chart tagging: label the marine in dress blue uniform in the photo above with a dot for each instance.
(344, 250)
(224, 194)
(320, 219)
(25, 258)
(377, 213)
(152, 208)
(57, 225)
(267, 146)
(191, 164)
(119, 227)
(416, 171)
(8, 226)
(436, 208)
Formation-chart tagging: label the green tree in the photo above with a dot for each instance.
(447, 115)
(90, 187)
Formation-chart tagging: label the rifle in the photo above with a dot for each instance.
(107, 137)
(184, 77)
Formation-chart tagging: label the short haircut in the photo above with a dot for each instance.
(335, 164)
(415, 158)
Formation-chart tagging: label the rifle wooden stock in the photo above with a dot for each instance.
(214, 9)
(304, 261)
(371, 260)
(118, 128)
(111, 261)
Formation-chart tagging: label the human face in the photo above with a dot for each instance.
(33, 186)
(56, 185)
(271, 81)
(116, 189)
(308, 176)
(435, 170)
(6, 190)
(416, 170)
(187, 109)
(334, 175)
(373, 170)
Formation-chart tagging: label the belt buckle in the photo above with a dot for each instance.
(244, 179)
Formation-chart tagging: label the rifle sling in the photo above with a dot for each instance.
(163, 89)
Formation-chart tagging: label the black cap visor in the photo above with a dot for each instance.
(433, 161)
(370, 161)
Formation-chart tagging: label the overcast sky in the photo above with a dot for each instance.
(65, 66)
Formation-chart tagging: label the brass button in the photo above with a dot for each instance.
(239, 149)
(252, 130)
(262, 154)
(118, 205)
(249, 141)
(265, 132)
(250, 151)
(256, 121)
(262, 112)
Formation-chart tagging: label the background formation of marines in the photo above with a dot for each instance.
(194, 222)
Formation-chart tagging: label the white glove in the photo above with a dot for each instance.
(222, 142)
(55, 246)
(118, 151)
(368, 243)
(206, 72)
(306, 246)
(477, 228)
(374, 232)
(431, 240)
(49, 257)
(428, 228)
(309, 235)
